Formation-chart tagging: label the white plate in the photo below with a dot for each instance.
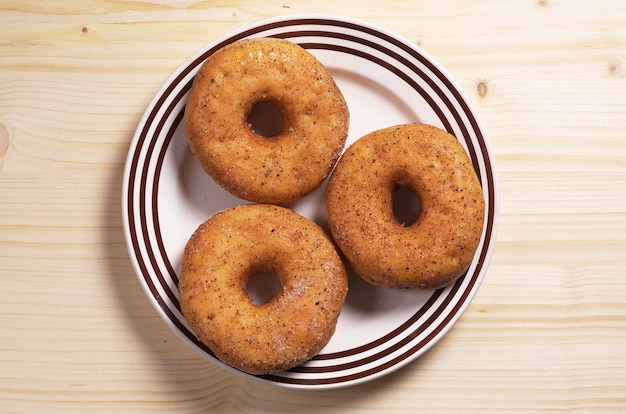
(386, 80)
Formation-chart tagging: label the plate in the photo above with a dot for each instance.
(386, 80)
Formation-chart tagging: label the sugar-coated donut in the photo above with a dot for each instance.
(240, 242)
(435, 250)
(277, 169)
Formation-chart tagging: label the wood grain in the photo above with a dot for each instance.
(547, 330)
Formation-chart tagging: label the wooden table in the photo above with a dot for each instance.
(547, 330)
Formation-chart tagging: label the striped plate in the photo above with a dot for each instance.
(386, 80)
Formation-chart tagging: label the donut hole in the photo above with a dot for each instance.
(265, 119)
(262, 287)
(406, 206)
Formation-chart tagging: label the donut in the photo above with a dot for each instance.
(233, 246)
(439, 246)
(276, 169)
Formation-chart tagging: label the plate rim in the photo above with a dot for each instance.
(242, 32)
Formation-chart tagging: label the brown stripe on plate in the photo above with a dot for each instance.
(357, 350)
(396, 346)
(157, 177)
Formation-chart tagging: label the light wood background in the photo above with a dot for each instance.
(547, 330)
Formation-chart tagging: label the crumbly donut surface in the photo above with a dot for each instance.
(315, 116)
(237, 243)
(435, 250)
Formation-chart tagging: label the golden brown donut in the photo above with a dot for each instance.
(240, 242)
(435, 250)
(314, 113)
